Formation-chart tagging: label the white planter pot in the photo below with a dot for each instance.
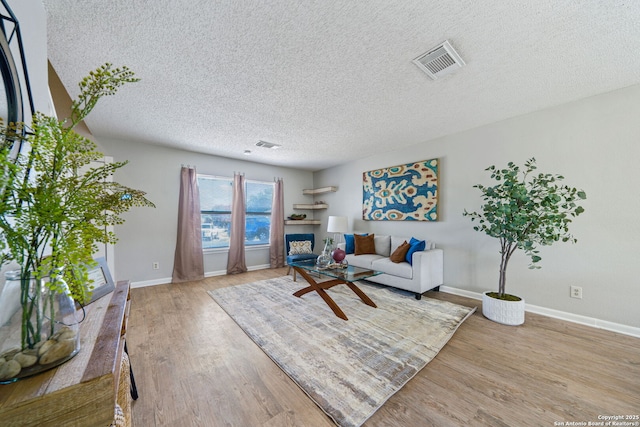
(500, 311)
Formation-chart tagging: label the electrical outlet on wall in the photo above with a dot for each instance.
(156, 265)
(575, 292)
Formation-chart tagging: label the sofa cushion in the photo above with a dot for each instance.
(364, 261)
(401, 269)
(383, 245)
(364, 244)
(399, 255)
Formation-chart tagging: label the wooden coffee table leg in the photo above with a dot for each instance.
(361, 294)
(315, 286)
(332, 304)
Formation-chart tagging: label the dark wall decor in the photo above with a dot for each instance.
(15, 76)
(401, 193)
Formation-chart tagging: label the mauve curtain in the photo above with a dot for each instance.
(236, 262)
(188, 263)
(276, 238)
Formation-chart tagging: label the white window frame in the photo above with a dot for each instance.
(248, 245)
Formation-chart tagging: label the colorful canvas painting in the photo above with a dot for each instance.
(401, 193)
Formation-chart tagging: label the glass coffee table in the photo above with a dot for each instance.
(338, 276)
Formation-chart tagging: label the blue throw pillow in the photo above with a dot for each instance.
(416, 245)
(350, 243)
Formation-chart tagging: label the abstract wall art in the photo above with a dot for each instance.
(406, 192)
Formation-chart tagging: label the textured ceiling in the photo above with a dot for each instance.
(332, 81)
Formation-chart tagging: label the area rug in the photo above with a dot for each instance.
(349, 368)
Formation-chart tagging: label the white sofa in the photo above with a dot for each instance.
(425, 273)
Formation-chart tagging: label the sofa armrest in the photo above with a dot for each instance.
(429, 266)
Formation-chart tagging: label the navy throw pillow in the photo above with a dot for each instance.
(416, 245)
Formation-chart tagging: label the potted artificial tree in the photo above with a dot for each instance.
(56, 204)
(523, 210)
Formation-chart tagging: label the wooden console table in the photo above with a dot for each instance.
(82, 391)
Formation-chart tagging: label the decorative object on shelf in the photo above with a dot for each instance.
(53, 211)
(297, 217)
(523, 210)
(337, 225)
(101, 281)
(401, 193)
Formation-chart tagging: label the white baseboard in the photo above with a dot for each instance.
(167, 280)
(145, 283)
(557, 314)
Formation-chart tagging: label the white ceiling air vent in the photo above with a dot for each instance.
(265, 144)
(439, 61)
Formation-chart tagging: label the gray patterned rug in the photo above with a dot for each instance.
(349, 368)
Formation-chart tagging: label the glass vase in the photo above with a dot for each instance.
(325, 257)
(38, 326)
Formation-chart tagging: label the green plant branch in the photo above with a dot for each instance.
(49, 206)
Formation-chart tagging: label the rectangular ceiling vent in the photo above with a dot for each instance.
(265, 144)
(439, 61)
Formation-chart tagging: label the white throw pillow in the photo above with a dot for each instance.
(300, 247)
(383, 245)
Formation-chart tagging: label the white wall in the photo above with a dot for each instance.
(593, 143)
(149, 235)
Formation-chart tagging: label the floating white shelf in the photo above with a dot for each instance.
(311, 206)
(322, 190)
(302, 222)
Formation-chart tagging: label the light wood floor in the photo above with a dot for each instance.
(195, 367)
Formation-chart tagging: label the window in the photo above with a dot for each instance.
(215, 210)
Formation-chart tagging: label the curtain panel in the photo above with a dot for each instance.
(236, 262)
(276, 238)
(188, 262)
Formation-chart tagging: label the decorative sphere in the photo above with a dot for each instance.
(338, 255)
